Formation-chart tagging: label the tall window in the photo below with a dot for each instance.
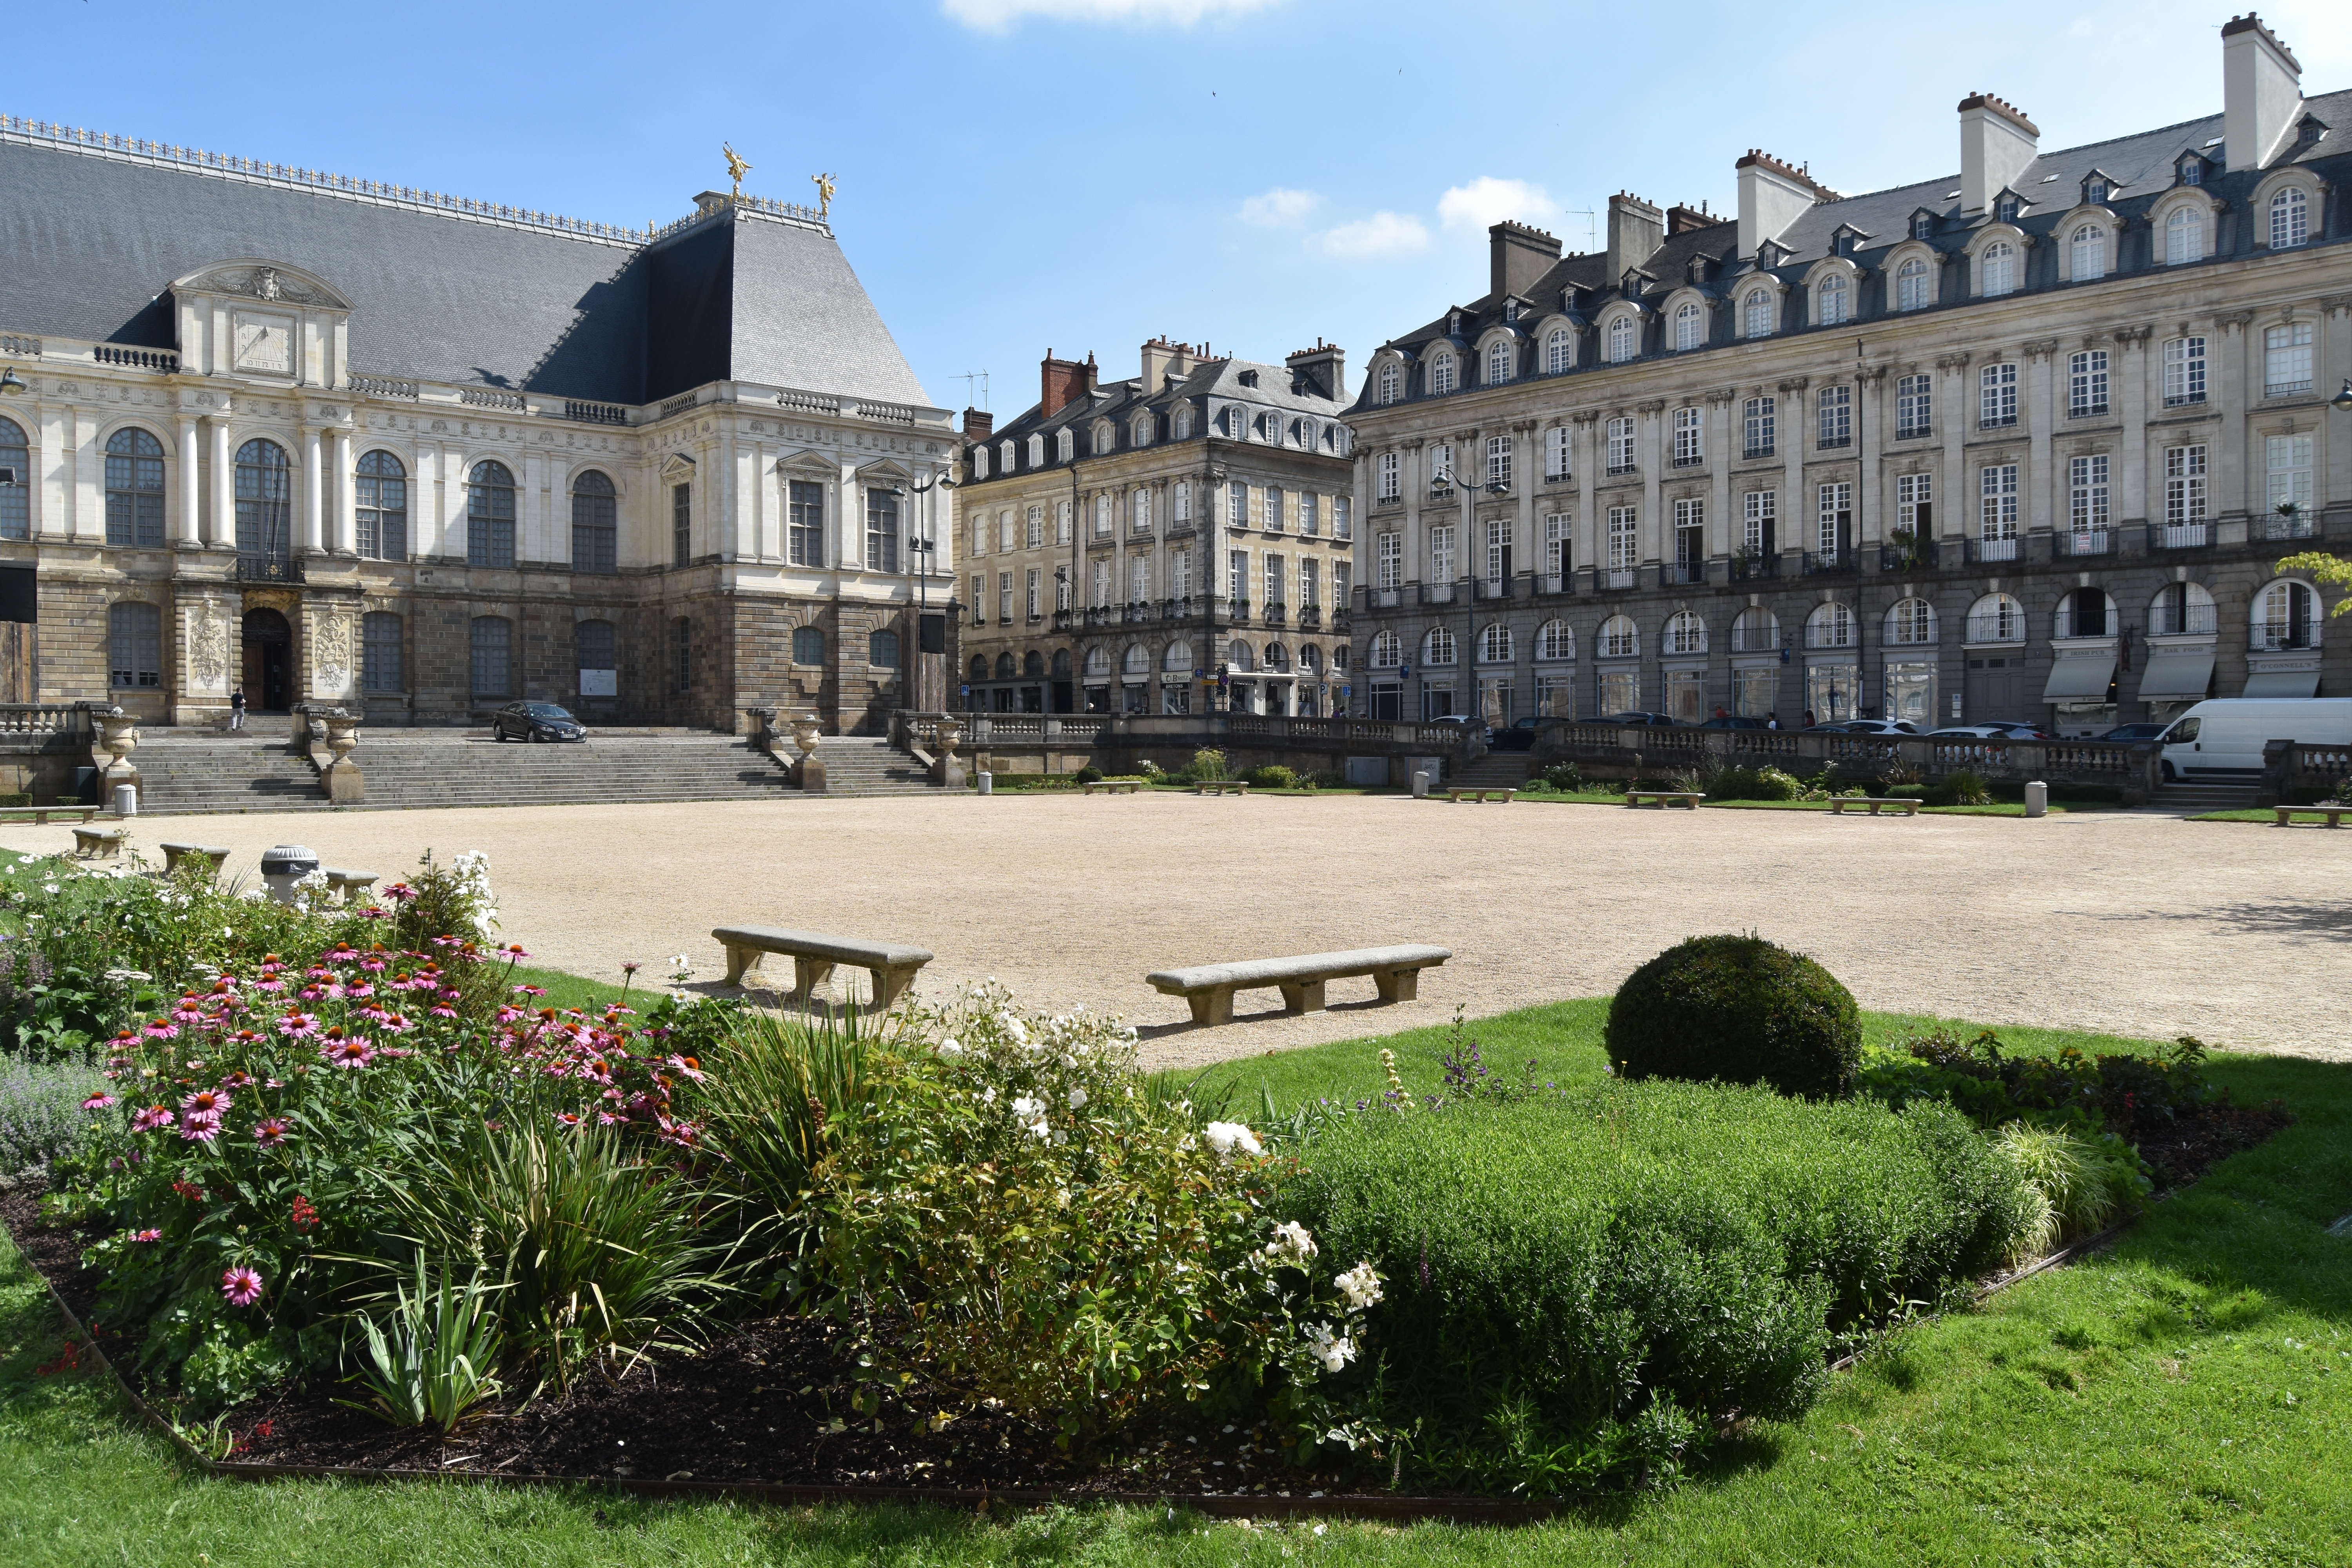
(1690, 539)
(1310, 513)
(1498, 363)
(1386, 469)
(1035, 534)
(2184, 236)
(380, 497)
(1915, 407)
(1441, 375)
(1064, 521)
(1237, 576)
(1179, 504)
(2290, 219)
(1274, 596)
(2086, 488)
(980, 598)
(1624, 539)
(1690, 437)
(1005, 591)
(1441, 554)
(1037, 600)
(1997, 268)
(1103, 517)
(681, 655)
(1388, 382)
(1690, 326)
(1556, 545)
(681, 525)
(2088, 253)
(2184, 486)
(1837, 416)
(1309, 581)
(490, 655)
(1833, 300)
(1759, 419)
(882, 649)
(1913, 288)
(1756, 530)
(594, 527)
(1499, 460)
(1272, 512)
(1437, 648)
(2283, 616)
(2184, 370)
(134, 635)
(1388, 562)
(2286, 359)
(1914, 504)
(808, 644)
(1560, 352)
(1620, 445)
(1997, 507)
(1756, 314)
(2287, 463)
(804, 523)
(134, 490)
(595, 651)
(379, 651)
(1180, 579)
(1341, 574)
(1834, 518)
(881, 530)
(1622, 340)
(2086, 382)
(1498, 549)
(265, 501)
(1441, 467)
(1555, 452)
(15, 482)
(1997, 395)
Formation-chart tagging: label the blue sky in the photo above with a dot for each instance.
(1084, 174)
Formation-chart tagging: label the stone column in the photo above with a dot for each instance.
(191, 496)
(1798, 525)
(313, 492)
(87, 487)
(1725, 535)
(2333, 489)
(221, 529)
(2236, 487)
(1869, 389)
(1409, 467)
(728, 529)
(1526, 549)
(2041, 481)
(343, 493)
(1953, 415)
(2128, 378)
(1585, 549)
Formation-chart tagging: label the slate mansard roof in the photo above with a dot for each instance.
(1211, 386)
(2142, 167)
(91, 240)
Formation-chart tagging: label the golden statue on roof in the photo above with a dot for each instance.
(736, 167)
(825, 189)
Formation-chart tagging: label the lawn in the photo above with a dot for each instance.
(2183, 1398)
(1996, 809)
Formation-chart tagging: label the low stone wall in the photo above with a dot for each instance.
(1063, 743)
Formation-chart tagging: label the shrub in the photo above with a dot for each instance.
(1089, 774)
(1569, 1272)
(1740, 1009)
(2121, 1094)
(1749, 783)
(1967, 787)
(1208, 763)
(2078, 1186)
(41, 1113)
(781, 1094)
(432, 1358)
(1273, 775)
(1565, 777)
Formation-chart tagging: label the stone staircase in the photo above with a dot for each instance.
(1495, 770)
(2212, 789)
(424, 768)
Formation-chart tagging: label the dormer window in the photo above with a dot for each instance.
(1036, 451)
(1510, 310)
(1066, 444)
(1249, 378)
(1844, 241)
(2192, 170)
(2095, 190)
(2005, 208)
(1004, 454)
(2310, 131)
(1106, 438)
(1923, 226)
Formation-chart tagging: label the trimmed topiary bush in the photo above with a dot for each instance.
(1273, 775)
(1090, 774)
(1740, 1009)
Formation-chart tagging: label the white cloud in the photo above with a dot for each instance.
(1003, 15)
(1486, 201)
(1382, 234)
(1278, 208)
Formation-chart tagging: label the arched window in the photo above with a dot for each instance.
(2184, 236)
(882, 649)
(1619, 638)
(1005, 669)
(16, 483)
(1756, 314)
(2085, 613)
(1066, 444)
(1830, 625)
(1277, 657)
(1441, 375)
(1140, 433)
(1310, 659)
(1061, 664)
(1136, 660)
(1033, 664)
(265, 502)
(1004, 450)
(1387, 650)
(2179, 609)
(592, 527)
(1622, 341)
(134, 635)
(1912, 290)
(489, 645)
(1997, 269)
(2088, 248)
(2290, 218)
(1178, 658)
(1494, 644)
(1756, 630)
(1437, 648)
(1241, 655)
(380, 497)
(1686, 633)
(1833, 300)
(595, 656)
(808, 644)
(1498, 363)
(2287, 615)
(1555, 639)
(980, 667)
(380, 649)
(1996, 619)
(1560, 352)
(1911, 621)
(1690, 330)
(134, 490)
(1389, 383)
(1098, 661)
(489, 516)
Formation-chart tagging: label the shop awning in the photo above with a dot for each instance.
(2175, 674)
(2283, 683)
(2083, 678)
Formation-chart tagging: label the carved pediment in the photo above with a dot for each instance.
(259, 278)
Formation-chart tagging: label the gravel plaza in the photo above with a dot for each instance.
(2132, 923)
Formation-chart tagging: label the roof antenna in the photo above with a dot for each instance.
(968, 378)
(1586, 214)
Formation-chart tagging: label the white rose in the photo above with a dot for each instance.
(1077, 1098)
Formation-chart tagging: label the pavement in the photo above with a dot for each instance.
(2137, 923)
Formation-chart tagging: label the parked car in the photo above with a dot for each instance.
(2134, 733)
(2020, 730)
(2225, 737)
(1519, 737)
(1732, 721)
(1637, 717)
(536, 721)
(1881, 727)
(1971, 732)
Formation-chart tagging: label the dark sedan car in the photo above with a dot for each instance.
(1519, 737)
(1660, 719)
(2134, 733)
(535, 721)
(1732, 721)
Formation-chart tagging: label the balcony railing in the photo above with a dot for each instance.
(1387, 598)
(1310, 617)
(268, 569)
(1914, 432)
(2086, 541)
(1755, 640)
(1239, 609)
(1687, 572)
(1828, 563)
(1820, 638)
(1437, 593)
(1617, 471)
(2297, 525)
(1494, 587)
(1749, 454)
(2182, 620)
(2070, 627)
(1993, 550)
(1557, 583)
(1747, 567)
(2181, 536)
(1994, 630)
(1275, 615)
(1618, 577)
(2290, 638)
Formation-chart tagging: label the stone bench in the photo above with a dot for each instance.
(1480, 795)
(1113, 786)
(813, 954)
(99, 843)
(1838, 803)
(1219, 786)
(39, 815)
(349, 886)
(175, 853)
(1665, 797)
(1210, 987)
(2333, 812)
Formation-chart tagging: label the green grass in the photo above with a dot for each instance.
(2261, 813)
(2183, 1399)
(1998, 808)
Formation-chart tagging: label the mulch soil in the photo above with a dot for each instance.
(770, 1402)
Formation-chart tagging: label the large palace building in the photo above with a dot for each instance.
(345, 442)
(2026, 441)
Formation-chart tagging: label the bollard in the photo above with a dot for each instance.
(126, 800)
(1420, 784)
(2037, 799)
(987, 783)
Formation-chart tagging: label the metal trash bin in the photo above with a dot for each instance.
(2037, 799)
(988, 783)
(126, 800)
(284, 865)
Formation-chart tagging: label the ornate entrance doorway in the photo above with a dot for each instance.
(269, 669)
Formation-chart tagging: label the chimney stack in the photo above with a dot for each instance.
(1322, 370)
(1772, 195)
(1162, 359)
(1061, 381)
(978, 426)
(1636, 229)
(1682, 220)
(2261, 89)
(1998, 144)
(1517, 256)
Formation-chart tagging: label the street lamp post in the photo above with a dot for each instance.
(924, 550)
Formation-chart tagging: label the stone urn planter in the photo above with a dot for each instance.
(113, 735)
(810, 772)
(339, 773)
(949, 768)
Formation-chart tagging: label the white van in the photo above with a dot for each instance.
(2225, 735)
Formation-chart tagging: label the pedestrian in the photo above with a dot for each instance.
(1808, 717)
(1719, 712)
(1771, 720)
(236, 709)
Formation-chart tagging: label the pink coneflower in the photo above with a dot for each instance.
(161, 1029)
(358, 990)
(531, 991)
(297, 1023)
(374, 961)
(200, 1129)
(98, 1101)
(397, 1023)
(152, 1118)
(442, 942)
(209, 1102)
(606, 1119)
(350, 1053)
(442, 1010)
(146, 1236)
(238, 1079)
(241, 1286)
(341, 952)
(691, 1067)
(272, 985)
(400, 892)
(508, 1014)
(190, 1011)
(568, 1120)
(269, 1133)
(375, 913)
(126, 1040)
(512, 952)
